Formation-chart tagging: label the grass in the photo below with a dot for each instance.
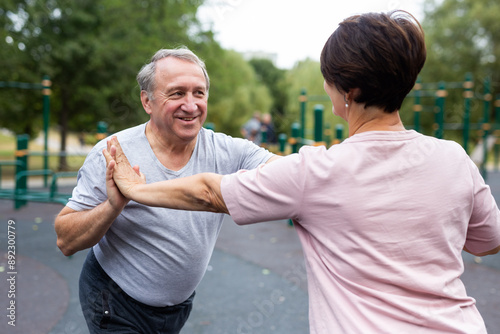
(7, 146)
(7, 152)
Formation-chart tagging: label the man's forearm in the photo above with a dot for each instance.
(78, 230)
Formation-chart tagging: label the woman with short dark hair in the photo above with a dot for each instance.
(383, 217)
(380, 54)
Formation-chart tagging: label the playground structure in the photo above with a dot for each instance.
(321, 132)
(20, 193)
(488, 134)
(45, 87)
(434, 95)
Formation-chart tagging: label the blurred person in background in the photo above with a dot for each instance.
(268, 128)
(251, 130)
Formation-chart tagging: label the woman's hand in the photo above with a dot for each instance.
(124, 175)
(200, 192)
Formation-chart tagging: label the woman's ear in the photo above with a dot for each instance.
(353, 94)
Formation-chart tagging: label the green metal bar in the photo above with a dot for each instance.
(282, 142)
(46, 83)
(439, 117)
(23, 195)
(8, 163)
(53, 187)
(497, 131)
(294, 140)
(441, 85)
(339, 133)
(417, 106)
(37, 172)
(210, 126)
(22, 158)
(423, 93)
(327, 134)
(102, 130)
(21, 85)
(486, 125)
(303, 103)
(318, 123)
(263, 137)
(55, 154)
(468, 94)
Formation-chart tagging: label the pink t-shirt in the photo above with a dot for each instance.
(383, 218)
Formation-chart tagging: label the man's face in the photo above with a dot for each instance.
(179, 105)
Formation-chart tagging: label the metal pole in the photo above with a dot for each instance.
(339, 133)
(46, 83)
(21, 185)
(303, 102)
(327, 133)
(282, 143)
(486, 125)
(440, 97)
(417, 106)
(295, 138)
(497, 130)
(468, 95)
(318, 123)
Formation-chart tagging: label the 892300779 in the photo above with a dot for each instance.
(11, 272)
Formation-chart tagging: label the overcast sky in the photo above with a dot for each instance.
(294, 30)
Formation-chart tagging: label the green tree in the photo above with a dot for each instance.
(92, 55)
(235, 93)
(16, 67)
(92, 50)
(462, 36)
(274, 79)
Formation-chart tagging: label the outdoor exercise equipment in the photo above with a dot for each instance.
(21, 193)
(488, 131)
(45, 87)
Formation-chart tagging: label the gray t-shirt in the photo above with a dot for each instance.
(158, 256)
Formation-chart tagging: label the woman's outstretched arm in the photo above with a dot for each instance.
(199, 192)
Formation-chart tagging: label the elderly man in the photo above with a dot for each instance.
(145, 262)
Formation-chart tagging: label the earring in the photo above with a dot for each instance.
(346, 102)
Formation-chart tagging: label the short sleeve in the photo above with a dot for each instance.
(483, 233)
(91, 186)
(243, 153)
(269, 192)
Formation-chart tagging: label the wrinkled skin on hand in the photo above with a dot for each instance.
(119, 169)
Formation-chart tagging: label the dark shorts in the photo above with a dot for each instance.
(107, 309)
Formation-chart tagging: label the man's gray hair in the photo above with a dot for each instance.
(146, 76)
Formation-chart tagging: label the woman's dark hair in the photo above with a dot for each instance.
(379, 53)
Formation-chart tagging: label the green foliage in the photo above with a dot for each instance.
(235, 93)
(274, 79)
(462, 36)
(92, 51)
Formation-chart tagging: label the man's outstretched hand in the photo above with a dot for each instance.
(120, 171)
